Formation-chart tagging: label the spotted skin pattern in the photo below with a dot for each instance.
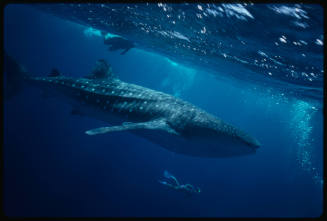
(195, 132)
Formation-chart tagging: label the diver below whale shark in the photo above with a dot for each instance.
(163, 119)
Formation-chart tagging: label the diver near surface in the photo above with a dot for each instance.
(102, 70)
(117, 43)
(173, 183)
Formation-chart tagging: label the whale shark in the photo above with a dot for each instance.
(163, 119)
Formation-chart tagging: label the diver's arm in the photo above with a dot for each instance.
(171, 177)
(175, 180)
(167, 184)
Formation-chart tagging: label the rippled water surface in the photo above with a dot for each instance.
(280, 45)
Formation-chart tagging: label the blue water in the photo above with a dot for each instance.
(52, 169)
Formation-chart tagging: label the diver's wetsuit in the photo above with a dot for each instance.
(118, 43)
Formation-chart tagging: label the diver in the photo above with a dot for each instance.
(117, 43)
(102, 70)
(172, 182)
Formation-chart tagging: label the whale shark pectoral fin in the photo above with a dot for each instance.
(103, 130)
(149, 125)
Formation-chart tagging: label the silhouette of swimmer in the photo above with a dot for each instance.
(102, 70)
(172, 182)
(117, 43)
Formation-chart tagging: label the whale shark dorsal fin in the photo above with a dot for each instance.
(102, 71)
(158, 124)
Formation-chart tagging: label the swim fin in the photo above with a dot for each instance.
(167, 174)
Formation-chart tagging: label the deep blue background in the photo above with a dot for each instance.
(53, 169)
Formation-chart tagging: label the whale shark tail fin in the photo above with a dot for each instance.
(101, 71)
(14, 74)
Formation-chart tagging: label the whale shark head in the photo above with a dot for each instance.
(209, 136)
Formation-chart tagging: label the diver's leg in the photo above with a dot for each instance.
(166, 184)
(175, 180)
(170, 176)
(167, 174)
